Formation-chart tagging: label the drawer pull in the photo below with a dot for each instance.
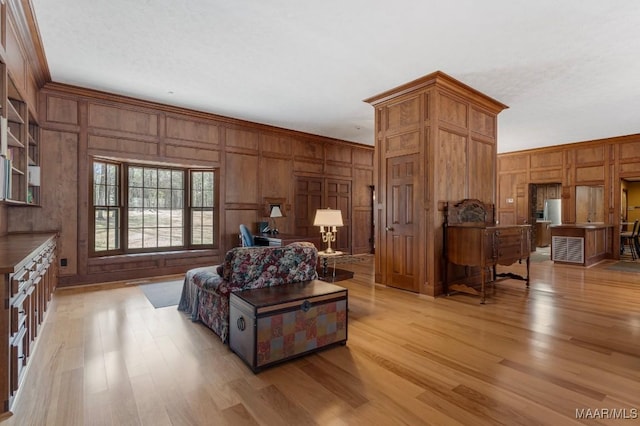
(241, 324)
(306, 305)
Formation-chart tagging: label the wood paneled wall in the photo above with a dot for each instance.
(254, 162)
(435, 143)
(602, 162)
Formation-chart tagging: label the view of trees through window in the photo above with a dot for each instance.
(155, 208)
(159, 214)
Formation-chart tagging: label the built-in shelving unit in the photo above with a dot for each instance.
(20, 149)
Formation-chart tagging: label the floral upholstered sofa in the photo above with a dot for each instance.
(206, 290)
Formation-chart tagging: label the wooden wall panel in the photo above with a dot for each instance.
(404, 113)
(484, 123)
(338, 170)
(192, 130)
(361, 231)
(271, 144)
(403, 144)
(309, 150)
(453, 111)
(61, 110)
(238, 138)
(122, 120)
(192, 155)
(589, 174)
(630, 151)
(362, 157)
(507, 192)
(121, 146)
(308, 167)
(451, 184)
(15, 59)
(547, 160)
(362, 179)
(510, 163)
(630, 169)
(241, 178)
(539, 176)
(591, 154)
(337, 153)
(276, 176)
(481, 171)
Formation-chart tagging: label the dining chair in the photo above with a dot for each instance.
(630, 238)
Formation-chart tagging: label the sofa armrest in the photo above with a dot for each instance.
(208, 279)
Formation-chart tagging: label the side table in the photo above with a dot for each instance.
(336, 274)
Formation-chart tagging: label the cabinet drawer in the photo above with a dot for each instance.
(18, 317)
(18, 359)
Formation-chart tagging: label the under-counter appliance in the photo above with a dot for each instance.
(553, 211)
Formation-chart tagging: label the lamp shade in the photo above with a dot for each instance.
(275, 212)
(328, 217)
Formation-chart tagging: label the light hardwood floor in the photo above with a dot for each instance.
(570, 343)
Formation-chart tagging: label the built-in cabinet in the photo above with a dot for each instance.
(28, 269)
(549, 191)
(435, 142)
(19, 148)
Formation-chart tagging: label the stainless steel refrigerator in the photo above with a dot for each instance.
(553, 211)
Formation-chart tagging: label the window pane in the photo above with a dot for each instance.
(150, 238)
(135, 218)
(177, 199)
(135, 197)
(207, 218)
(164, 237)
(135, 176)
(99, 173)
(196, 236)
(112, 195)
(99, 195)
(207, 235)
(135, 238)
(176, 219)
(150, 218)
(176, 179)
(150, 177)
(113, 238)
(101, 218)
(164, 218)
(164, 178)
(164, 198)
(176, 237)
(112, 174)
(150, 198)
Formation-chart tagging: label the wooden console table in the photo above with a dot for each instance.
(472, 239)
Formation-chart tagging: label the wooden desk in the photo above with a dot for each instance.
(277, 240)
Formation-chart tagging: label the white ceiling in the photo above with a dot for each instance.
(569, 70)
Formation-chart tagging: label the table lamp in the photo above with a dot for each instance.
(328, 220)
(275, 212)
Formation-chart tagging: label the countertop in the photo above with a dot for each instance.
(591, 225)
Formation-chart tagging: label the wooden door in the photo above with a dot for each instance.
(402, 222)
(309, 193)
